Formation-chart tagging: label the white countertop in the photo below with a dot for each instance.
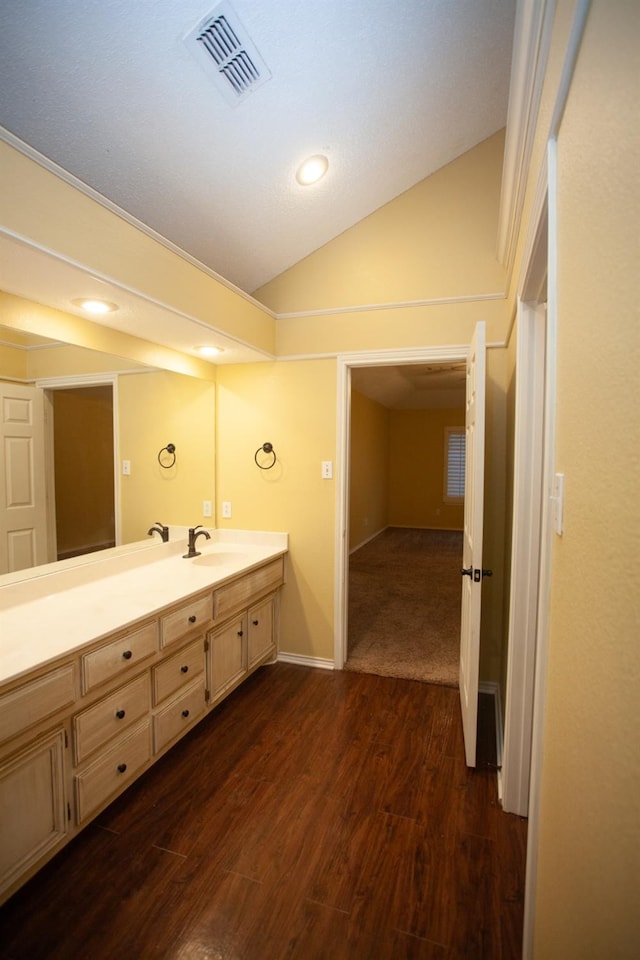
(58, 608)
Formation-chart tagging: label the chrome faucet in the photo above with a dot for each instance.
(161, 529)
(194, 533)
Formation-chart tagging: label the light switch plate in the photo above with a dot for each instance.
(327, 469)
(557, 503)
(206, 508)
(226, 509)
(126, 468)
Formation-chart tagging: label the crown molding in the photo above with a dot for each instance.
(531, 42)
(394, 305)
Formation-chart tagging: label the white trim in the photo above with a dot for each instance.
(532, 38)
(410, 354)
(374, 358)
(320, 662)
(525, 557)
(392, 305)
(544, 589)
(84, 188)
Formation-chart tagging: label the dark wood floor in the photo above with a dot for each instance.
(313, 816)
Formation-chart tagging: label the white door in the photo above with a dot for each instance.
(472, 550)
(23, 526)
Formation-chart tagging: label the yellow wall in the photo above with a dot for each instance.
(44, 209)
(369, 479)
(293, 406)
(25, 315)
(156, 409)
(589, 850)
(416, 469)
(13, 363)
(437, 240)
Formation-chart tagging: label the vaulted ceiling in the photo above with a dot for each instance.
(116, 93)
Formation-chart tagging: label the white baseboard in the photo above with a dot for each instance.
(304, 661)
(493, 689)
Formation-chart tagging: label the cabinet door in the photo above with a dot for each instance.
(227, 656)
(32, 805)
(261, 638)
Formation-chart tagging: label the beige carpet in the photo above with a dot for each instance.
(404, 605)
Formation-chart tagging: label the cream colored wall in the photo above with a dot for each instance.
(436, 240)
(293, 406)
(369, 474)
(589, 845)
(416, 469)
(156, 409)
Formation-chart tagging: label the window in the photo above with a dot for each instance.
(454, 464)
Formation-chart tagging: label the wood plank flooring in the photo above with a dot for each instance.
(314, 815)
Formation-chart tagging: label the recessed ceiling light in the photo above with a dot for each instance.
(96, 307)
(206, 351)
(312, 170)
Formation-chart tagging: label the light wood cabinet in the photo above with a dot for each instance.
(76, 733)
(227, 657)
(261, 640)
(33, 806)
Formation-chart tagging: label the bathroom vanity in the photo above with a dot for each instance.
(106, 664)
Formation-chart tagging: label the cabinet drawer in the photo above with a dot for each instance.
(110, 717)
(37, 699)
(178, 670)
(238, 594)
(179, 714)
(195, 615)
(119, 655)
(112, 770)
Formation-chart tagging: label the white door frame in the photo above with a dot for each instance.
(346, 361)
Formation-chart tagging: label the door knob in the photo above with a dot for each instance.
(467, 571)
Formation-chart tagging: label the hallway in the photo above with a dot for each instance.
(314, 815)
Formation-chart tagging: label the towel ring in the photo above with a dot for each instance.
(171, 450)
(268, 449)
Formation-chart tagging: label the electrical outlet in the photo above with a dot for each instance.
(226, 509)
(126, 468)
(327, 469)
(206, 508)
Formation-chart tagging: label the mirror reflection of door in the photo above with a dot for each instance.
(83, 460)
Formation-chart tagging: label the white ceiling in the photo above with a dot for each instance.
(413, 386)
(389, 90)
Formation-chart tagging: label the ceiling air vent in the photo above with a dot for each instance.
(222, 46)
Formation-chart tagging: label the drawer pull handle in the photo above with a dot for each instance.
(192, 618)
(255, 622)
(185, 713)
(120, 714)
(240, 633)
(122, 767)
(184, 669)
(127, 655)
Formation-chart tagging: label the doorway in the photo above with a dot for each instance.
(365, 524)
(81, 477)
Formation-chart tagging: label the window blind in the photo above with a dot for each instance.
(456, 449)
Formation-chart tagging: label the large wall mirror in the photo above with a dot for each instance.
(82, 431)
